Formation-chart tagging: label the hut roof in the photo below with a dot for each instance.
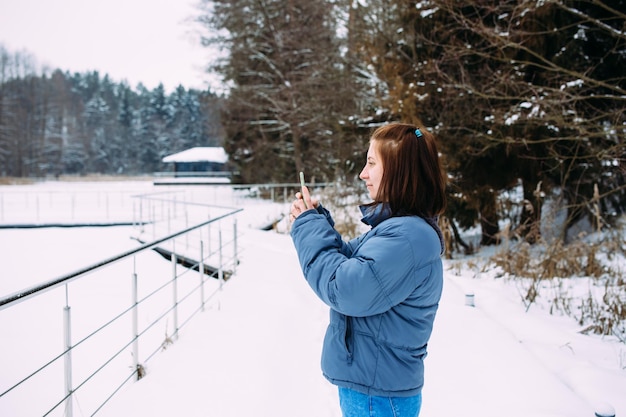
(199, 154)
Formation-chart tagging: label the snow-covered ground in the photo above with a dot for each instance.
(256, 348)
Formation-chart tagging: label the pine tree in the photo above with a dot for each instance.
(287, 91)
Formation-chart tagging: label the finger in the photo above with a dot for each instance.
(306, 196)
(297, 207)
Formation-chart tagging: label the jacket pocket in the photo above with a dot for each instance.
(347, 339)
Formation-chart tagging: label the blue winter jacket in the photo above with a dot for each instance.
(383, 289)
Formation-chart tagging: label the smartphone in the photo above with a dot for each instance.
(302, 186)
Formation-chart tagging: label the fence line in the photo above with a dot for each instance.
(79, 204)
(166, 222)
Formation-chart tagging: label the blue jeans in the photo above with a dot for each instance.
(356, 404)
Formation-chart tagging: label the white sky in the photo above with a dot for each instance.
(147, 41)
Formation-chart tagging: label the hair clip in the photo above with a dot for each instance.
(418, 133)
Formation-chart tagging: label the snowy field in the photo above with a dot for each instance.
(255, 350)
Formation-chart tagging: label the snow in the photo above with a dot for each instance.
(199, 154)
(255, 350)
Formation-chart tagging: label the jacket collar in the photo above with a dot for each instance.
(374, 214)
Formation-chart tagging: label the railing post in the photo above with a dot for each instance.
(152, 206)
(169, 221)
(201, 271)
(220, 270)
(235, 260)
(67, 326)
(208, 238)
(174, 293)
(186, 226)
(141, 222)
(135, 321)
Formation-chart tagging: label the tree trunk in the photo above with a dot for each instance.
(530, 218)
(488, 218)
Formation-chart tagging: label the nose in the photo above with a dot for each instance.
(363, 175)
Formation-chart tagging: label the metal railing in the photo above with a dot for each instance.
(278, 191)
(89, 367)
(76, 203)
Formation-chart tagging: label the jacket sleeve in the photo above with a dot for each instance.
(377, 278)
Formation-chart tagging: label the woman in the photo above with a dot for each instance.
(383, 287)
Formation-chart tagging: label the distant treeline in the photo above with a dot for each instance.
(62, 123)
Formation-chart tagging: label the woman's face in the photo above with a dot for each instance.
(372, 172)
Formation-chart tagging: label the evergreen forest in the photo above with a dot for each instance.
(61, 123)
